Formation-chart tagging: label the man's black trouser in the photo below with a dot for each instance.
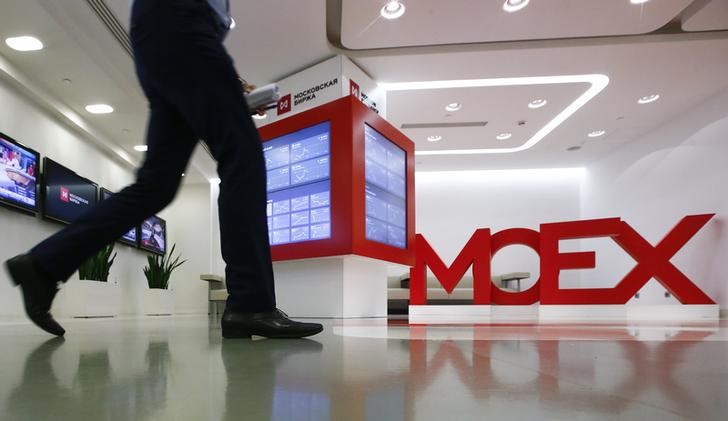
(194, 92)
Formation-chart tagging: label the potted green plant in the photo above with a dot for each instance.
(92, 295)
(159, 299)
(97, 267)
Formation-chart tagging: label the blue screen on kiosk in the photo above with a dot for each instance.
(18, 174)
(386, 190)
(67, 195)
(299, 185)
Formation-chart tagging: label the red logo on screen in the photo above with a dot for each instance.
(354, 88)
(284, 104)
(65, 194)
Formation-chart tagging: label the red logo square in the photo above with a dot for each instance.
(65, 194)
(284, 104)
(354, 89)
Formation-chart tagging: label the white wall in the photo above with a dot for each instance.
(23, 120)
(189, 217)
(679, 169)
(450, 206)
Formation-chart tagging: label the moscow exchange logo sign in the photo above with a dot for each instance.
(284, 104)
(65, 194)
(354, 89)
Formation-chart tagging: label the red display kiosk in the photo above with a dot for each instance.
(340, 206)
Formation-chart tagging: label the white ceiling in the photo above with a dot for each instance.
(710, 16)
(433, 22)
(276, 38)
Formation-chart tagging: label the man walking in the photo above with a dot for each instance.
(194, 92)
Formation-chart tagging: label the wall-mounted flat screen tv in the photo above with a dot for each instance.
(18, 175)
(66, 195)
(154, 235)
(130, 238)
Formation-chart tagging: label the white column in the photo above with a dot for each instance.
(339, 287)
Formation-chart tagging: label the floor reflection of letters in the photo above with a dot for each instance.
(94, 394)
(253, 392)
(607, 377)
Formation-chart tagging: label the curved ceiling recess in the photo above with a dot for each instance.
(597, 83)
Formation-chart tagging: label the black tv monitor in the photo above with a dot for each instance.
(131, 238)
(18, 175)
(66, 195)
(154, 235)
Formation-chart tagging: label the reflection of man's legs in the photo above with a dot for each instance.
(251, 368)
(39, 395)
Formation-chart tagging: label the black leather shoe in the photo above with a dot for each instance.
(272, 324)
(38, 292)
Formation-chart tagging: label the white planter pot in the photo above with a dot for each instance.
(90, 298)
(158, 302)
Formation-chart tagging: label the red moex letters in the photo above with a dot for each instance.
(652, 262)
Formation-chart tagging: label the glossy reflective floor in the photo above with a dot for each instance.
(179, 368)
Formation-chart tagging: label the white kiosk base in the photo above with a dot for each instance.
(332, 287)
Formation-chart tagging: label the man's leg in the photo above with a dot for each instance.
(170, 142)
(190, 66)
(192, 70)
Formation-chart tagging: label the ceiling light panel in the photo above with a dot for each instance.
(392, 10)
(648, 98)
(24, 43)
(537, 103)
(512, 6)
(100, 109)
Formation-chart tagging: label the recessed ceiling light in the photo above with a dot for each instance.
(141, 148)
(511, 6)
(99, 109)
(392, 10)
(259, 117)
(596, 133)
(183, 174)
(453, 106)
(504, 136)
(573, 148)
(434, 138)
(648, 98)
(638, 1)
(537, 103)
(24, 43)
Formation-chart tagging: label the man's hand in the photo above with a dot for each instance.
(248, 88)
